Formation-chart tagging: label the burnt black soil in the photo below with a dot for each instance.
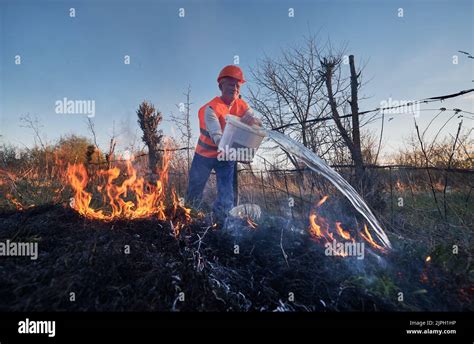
(205, 269)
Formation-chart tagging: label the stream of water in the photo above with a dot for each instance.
(319, 166)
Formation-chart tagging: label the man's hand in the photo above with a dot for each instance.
(250, 119)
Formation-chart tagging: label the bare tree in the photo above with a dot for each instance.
(149, 119)
(296, 93)
(183, 124)
(290, 90)
(109, 156)
(350, 134)
(91, 127)
(33, 123)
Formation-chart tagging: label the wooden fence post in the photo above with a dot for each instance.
(288, 196)
(236, 185)
(263, 190)
(391, 195)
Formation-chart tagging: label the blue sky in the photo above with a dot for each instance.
(82, 58)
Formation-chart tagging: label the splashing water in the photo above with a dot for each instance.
(319, 166)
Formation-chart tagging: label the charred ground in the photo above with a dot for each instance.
(88, 258)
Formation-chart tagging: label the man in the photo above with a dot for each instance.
(212, 123)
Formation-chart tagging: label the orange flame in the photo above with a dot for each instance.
(342, 232)
(251, 223)
(321, 201)
(12, 199)
(133, 198)
(17, 203)
(315, 228)
(320, 229)
(367, 237)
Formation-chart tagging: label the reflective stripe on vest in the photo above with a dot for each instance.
(205, 133)
(206, 146)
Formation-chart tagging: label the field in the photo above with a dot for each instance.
(184, 262)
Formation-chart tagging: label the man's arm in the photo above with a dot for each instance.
(212, 125)
(249, 118)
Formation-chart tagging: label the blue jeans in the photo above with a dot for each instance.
(201, 168)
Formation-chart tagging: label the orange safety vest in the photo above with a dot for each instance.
(205, 145)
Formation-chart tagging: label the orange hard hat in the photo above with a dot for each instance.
(233, 72)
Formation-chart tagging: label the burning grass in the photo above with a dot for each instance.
(148, 199)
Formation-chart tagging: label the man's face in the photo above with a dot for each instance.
(230, 88)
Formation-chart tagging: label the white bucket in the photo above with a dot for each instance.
(239, 141)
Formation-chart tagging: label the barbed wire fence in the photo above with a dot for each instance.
(271, 186)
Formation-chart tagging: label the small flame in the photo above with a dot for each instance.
(342, 232)
(367, 237)
(321, 201)
(315, 228)
(251, 223)
(428, 259)
(399, 185)
(17, 204)
(320, 229)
